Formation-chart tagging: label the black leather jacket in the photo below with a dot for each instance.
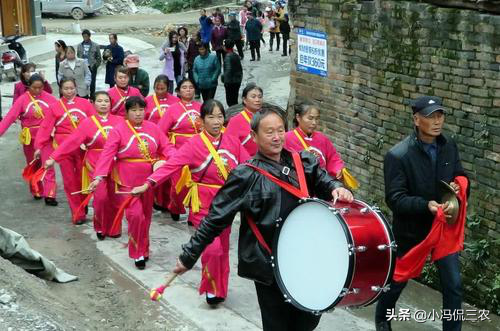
(251, 193)
(411, 182)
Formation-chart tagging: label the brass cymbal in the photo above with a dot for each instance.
(448, 195)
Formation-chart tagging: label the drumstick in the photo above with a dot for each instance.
(122, 192)
(80, 192)
(156, 293)
(334, 200)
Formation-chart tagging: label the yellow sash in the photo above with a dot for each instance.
(173, 136)
(99, 126)
(25, 136)
(38, 109)
(245, 115)
(122, 98)
(215, 155)
(190, 119)
(142, 146)
(68, 114)
(158, 106)
(192, 197)
(302, 141)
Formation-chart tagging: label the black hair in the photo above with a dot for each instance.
(25, 68)
(134, 101)
(87, 32)
(61, 43)
(185, 80)
(301, 110)
(208, 108)
(162, 79)
(35, 78)
(204, 45)
(263, 113)
(115, 37)
(171, 34)
(228, 43)
(182, 28)
(250, 87)
(67, 79)
(100, 93)
(121, 69)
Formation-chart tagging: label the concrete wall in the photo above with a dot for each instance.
(382, 54)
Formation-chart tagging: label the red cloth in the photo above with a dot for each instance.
(443, 239)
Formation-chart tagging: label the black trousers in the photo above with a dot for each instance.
(208, 94)
(93, 76)
(239, 46)
(220, 55)
(285, 45)
(255, 47)
(271, 39)
(232, 91)
(277, 315)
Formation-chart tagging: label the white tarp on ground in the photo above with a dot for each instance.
(16, 249)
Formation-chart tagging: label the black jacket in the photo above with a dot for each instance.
(234, 30)
(233, 72)
(411, 182)
(285, 29)
(251, 193)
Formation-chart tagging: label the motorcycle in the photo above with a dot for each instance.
(14, 58)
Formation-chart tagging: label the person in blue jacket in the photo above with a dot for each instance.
(206, 71)
(206, 27)
(113, 55)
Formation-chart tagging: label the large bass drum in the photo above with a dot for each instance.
(328, 256)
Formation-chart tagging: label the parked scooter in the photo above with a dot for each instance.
(14, 58)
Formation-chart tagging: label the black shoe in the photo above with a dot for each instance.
(37, 197)
(81, 221)
(190, 223)
(86, 210)
(270, 49)
(51, 202)
(383, 326)
(100, 236)
(159, 208)
(175, 217)
(214, 301)
(258, 59)
(141, 265)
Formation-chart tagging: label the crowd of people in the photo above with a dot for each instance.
(130, 151)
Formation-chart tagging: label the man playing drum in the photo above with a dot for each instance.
(412, 170)
(254, 190)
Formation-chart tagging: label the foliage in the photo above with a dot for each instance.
(177, 5)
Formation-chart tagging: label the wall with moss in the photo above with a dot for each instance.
(381, 55)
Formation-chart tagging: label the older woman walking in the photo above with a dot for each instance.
(77, 69)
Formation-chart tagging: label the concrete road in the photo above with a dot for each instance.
(240, 311)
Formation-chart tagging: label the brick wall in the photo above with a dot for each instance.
(382, 54)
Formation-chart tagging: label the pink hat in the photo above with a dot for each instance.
(131, 61)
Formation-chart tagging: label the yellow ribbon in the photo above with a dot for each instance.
(38, 109)
(122, 98)
(190, 119)
(158, 106)
(86, 179)
(25, 136)
(174, 135)
(142, 146)
(349, 181)
(192, 197)
(68, 114)
(245, 115)
(99, 127)
(215, 155)
(302, 141)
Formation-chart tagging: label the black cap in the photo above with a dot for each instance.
(427, 105)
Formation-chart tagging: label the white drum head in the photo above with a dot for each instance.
(312, 256)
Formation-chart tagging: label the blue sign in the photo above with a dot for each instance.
(312, 52)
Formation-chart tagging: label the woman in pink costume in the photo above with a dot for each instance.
(31, 108)
(180, 123)
(121, 91)
(136, 145)
(239, 125)
(206, 160)
(305, 136)
(93, 133)
(60, 121)
(158, 103)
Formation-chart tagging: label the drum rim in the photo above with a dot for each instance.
(277, 275)
(392, 262)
